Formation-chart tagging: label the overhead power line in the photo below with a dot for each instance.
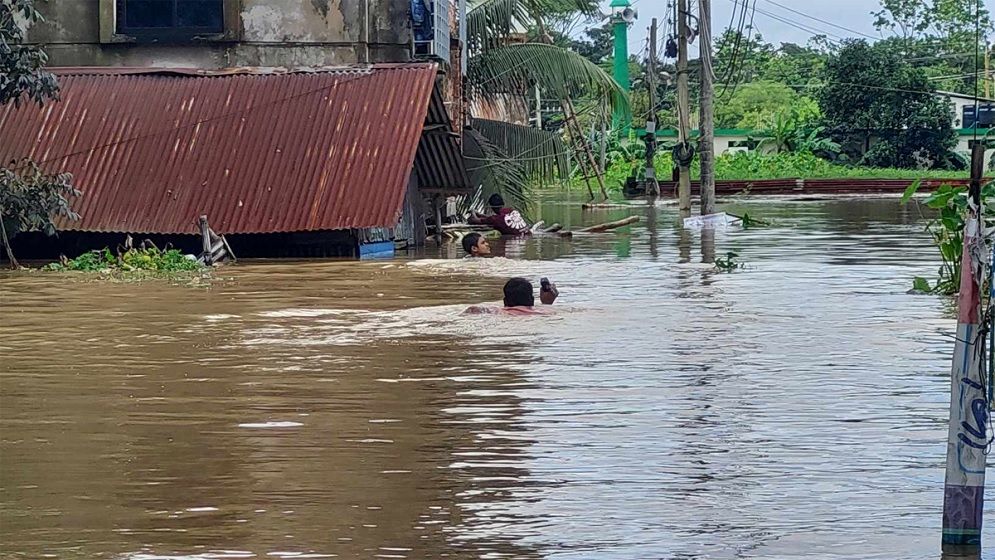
(803, 14)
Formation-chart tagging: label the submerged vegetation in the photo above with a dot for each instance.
(729, 263)
(151, 259)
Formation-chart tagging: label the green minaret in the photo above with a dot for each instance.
(622, 15)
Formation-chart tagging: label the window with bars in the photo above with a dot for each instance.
(169, 19)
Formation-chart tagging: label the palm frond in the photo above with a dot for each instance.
(542, 154)
(558, 72)
(490, 21)
(494, 172)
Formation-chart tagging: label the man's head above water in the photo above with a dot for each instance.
(518, 293)
(496, 202)
(476, 245)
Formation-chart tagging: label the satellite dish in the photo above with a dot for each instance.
(629, 15)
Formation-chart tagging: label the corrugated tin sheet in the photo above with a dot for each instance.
(258, 151)
(439, 162)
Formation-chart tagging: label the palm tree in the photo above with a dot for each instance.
(506, 157)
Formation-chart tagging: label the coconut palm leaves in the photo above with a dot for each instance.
(558, 72)
(490, 22)
(494, 172)
(540, 153)
(499, 69)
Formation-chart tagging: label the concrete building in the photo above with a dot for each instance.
(224, 33)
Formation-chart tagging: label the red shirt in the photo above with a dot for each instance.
(508, 221)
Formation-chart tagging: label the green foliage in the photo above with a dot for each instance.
(490, 167)
(939, 36)
(132, 260)
(742, 57)
(489, 22)
(542, 154)
(947, 231)
(793, 130)
(501, 72)
(729, 262)
(750, 222)
(745, 166)
(789, 165)
(22, 73)
(798, 66)
(883, 112)
(754, 105)
(31, 199)
(559, 74)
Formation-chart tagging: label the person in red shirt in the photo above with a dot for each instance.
(508, 221)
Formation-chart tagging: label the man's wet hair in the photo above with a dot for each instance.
(518, 293)
(470, 241)
(496, 200)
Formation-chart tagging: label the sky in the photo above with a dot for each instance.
(855, 15)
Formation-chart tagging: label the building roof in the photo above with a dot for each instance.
(256, 150)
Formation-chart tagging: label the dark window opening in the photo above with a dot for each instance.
(984, 116)
(170, 19)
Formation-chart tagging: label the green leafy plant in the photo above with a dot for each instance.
(947, 231)
(31, 200)
(150, 259)
(729, 262)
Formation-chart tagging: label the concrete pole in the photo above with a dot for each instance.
(706, 144)
(683, 106)
(967, 437)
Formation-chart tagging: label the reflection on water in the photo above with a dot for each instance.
(795, 409)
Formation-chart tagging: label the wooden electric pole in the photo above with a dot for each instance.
(683, 110)
(652, 186)
(706, 144)
(967, 435)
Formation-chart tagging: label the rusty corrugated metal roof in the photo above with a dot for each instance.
(257, 151)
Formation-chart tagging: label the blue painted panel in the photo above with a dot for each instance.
(378, 250)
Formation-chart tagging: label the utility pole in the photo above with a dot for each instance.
(683, 111)
(967, 436)
(652, 186)
(706, 134)
(988, 75)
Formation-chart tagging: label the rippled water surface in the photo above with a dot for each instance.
(793, 409)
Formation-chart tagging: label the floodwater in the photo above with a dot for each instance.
(792, 409)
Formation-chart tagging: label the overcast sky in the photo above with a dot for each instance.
(777, 24)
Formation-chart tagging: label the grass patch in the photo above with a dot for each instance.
(744, 166)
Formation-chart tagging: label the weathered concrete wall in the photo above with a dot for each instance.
(266, 33)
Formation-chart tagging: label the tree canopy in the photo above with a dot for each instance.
(30, 199)
(884, 111)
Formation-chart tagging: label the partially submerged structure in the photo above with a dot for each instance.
(298, 127)
(327, 162)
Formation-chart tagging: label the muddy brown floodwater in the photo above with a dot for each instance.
(793, 409)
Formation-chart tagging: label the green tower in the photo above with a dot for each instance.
(622, 17)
